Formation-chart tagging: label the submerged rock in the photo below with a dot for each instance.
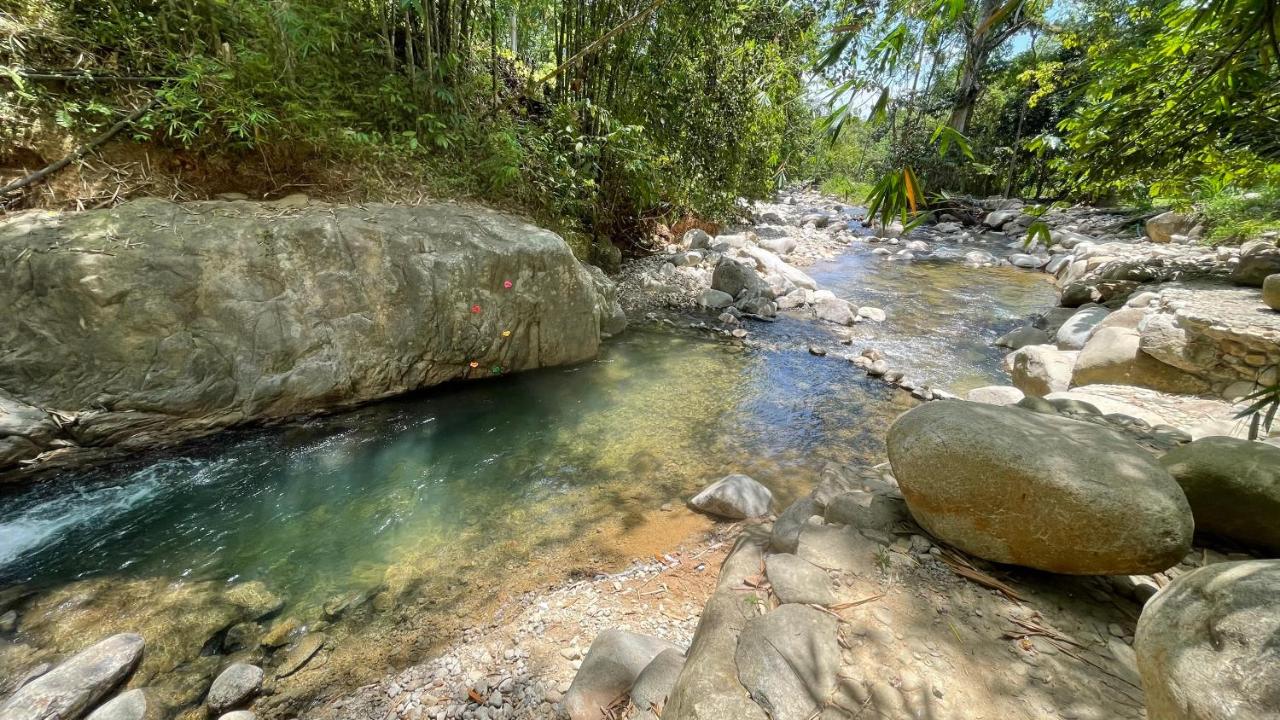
(340, 305)
(134, 704)
(301, 653)
(613, 663)
(1208, 644)
(734, 497)
(71, 688)
(1019, 338)
(1073, 497)
(1233, 487)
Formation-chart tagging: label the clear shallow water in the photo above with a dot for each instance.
(431, 504)
(942, 316)
(301, 507)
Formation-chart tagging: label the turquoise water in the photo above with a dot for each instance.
(432, 504)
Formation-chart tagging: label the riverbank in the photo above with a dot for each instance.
(850, 610)
(491, 501)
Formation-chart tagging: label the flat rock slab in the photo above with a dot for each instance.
(73, 687)
(838, 548)
(788, 661)
(708, 687)
(301, 654)
(795, 580)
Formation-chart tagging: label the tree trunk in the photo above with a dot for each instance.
(493, 47)
(975, 58)
(410, 64)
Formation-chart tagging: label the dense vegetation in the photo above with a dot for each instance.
(605, 117)
(595, 115)
(1167, 103)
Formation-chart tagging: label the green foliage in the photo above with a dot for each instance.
(1193, 95)
(897, 195)
(1233, 214)
(1264, 402)
(698, 104)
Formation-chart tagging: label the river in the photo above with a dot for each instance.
(426, 511)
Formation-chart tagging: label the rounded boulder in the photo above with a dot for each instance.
(1038, 490)
(1208, 644)
(1233, 486)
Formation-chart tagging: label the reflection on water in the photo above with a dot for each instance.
(427, 500)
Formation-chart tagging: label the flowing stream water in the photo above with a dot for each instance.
(425, 509)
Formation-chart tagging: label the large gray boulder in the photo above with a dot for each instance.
(1208, 644)
(739, 280)
(1114, 356)
(1039, 490)
(734, 497)
(1258, 259)
(613, 663)
(1233, 486)
(70, 689)
(835, 310)
(159, 320)
(770, 263)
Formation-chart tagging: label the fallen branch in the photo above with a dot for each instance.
(83, 150)
(961, 566)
